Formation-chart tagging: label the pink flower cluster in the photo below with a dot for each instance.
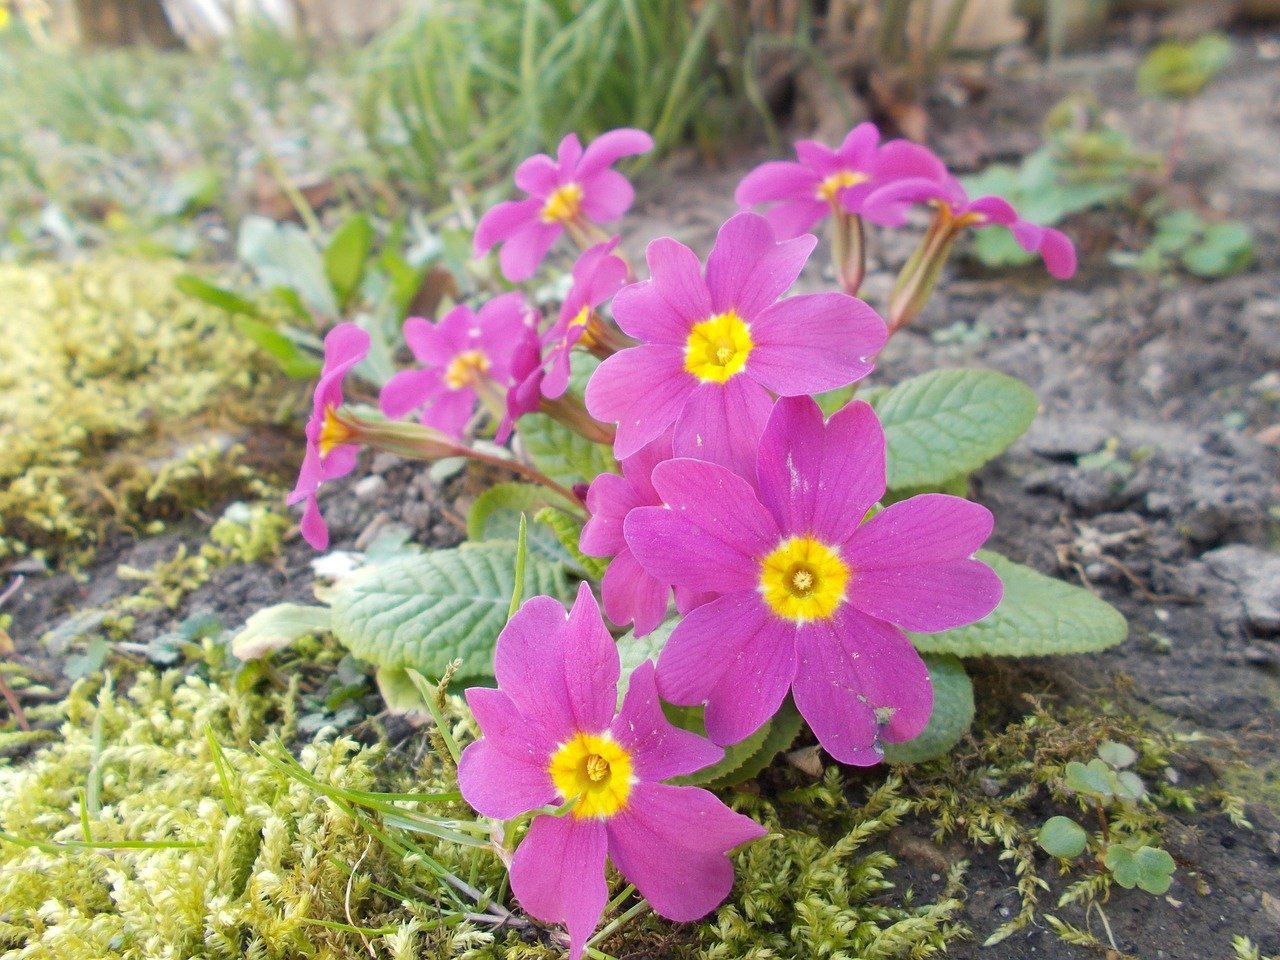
(762, 517)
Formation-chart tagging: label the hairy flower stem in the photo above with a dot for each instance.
(848, 250)
(572, 412)
(919, 276)
(413, 441)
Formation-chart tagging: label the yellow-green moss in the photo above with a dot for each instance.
(114, 388)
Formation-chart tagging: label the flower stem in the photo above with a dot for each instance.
(606, 931)
(848, 250)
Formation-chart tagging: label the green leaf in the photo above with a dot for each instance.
(293, 361)
(568, 530)
(1038, 616)
(422, 611)
(274, 628)
(1179, 71)
(1148, 868)
(281, 254)
(951, 718)
(399, 692)
(347, 255)
(496, 516)
(1129, 786)
(947, 423)
(1094, 778)
(1062, 837)
(1225, 248)
(1117, 755)
(561, 454)
(744, 759)
(633, 651)
(202, 289)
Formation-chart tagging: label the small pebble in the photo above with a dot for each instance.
(370, 488)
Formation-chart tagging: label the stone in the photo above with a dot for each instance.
(1255, 575)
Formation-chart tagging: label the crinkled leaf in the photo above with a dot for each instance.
(947, 423)
(1037, 616)
(1179, 71)
(568, 530)
(1062, 837)
(746, 758)
(495, 515)
(424, 611)
(274, 628)
(951, 718)
(564, 456)
(633, 651)
(1149, 868)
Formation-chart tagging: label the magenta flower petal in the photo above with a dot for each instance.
(664, 308)
(606, 196)
(854, 652)
(913, 567)
(710, 533)
(658, 750)
(503, 221)
(558, 875)
(1059, 253)
(408, 390)
(859, 146)
(538, 176)
(529, 664)
(500, 787)
(748, 269)
(314, 530)
(778, 180)
(449, 411)
(591, 668)
(794, 218)
(609, 500)
(819, 478)
(995, 210)
(818, 156)
(814, 342)
(632, 596)
(608, 148)
(723, 423)
(568, 153)
(642, 389)
(900, 159)
(524, 249)
(678, 825)
(733, 655)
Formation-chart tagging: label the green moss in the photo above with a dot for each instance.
(112, 385)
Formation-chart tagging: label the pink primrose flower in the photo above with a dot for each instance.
(528, 373)
(712, 348)
(551, 736)
(891, 202)
(809, 598)
(827, 180)
(597, 276)
(578, 188)
(630, 594)
(330, 454)
(465, 357)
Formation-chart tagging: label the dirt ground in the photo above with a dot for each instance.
(1178, 378)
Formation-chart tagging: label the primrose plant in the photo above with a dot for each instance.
(768, 548)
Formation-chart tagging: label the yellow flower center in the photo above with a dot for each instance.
(581, 318)
(596, 771)
(803, 579)
(333, 432)
(465, 369)
(829, 189)
(563, 204)
(718, 348)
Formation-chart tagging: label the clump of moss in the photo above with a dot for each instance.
(111, 383)
(152, 828)
(818, 885)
